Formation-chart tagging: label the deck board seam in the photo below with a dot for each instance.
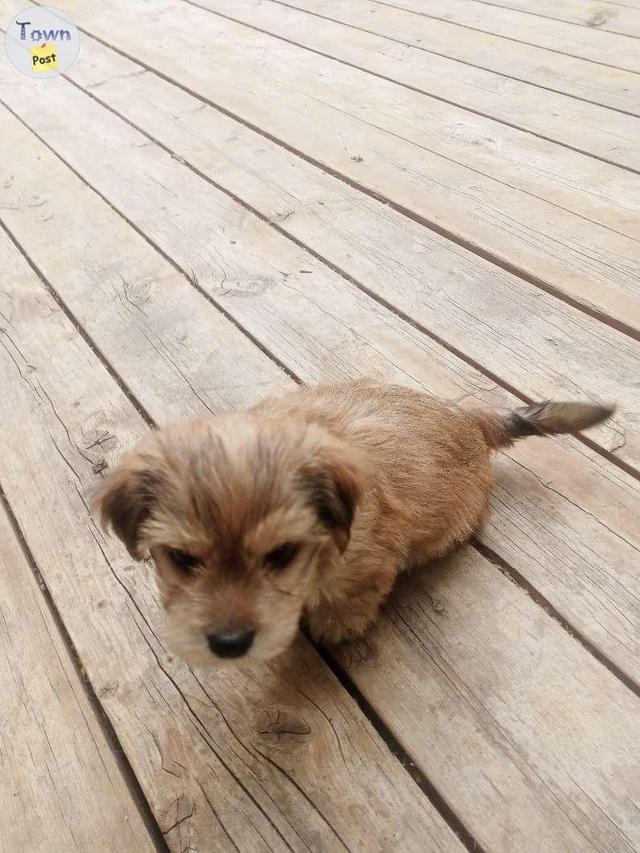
(492, 556)
(435, 798)
(122, 762)
(487, 552)
(389, 742)
(464, 243)
(551, 18)
(506, 38)
(473, 169)
(456, 59)
(543, 602)
(464, 61)
(398, 41)
(189, 275)
(428, 94)
(140, 409)
(608, 455)
(404, 758)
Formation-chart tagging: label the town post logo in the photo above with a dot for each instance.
(42, 41)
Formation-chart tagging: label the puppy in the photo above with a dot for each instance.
(308, 506)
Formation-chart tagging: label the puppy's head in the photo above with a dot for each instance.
(240, 514)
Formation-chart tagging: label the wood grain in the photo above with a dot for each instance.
(507, 693)
(555, 72)
(528, 739)
(567, 253)
(573, 516)
(600, 192)
(62, 789)
(533, 799)
(384, 41)
(618, 51)
(213, 775)
(607, 16)
(531, 341)
(539, 753)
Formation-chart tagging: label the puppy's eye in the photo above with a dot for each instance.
(281, 556)
(182, 560)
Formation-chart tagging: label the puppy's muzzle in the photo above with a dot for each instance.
(231, 644)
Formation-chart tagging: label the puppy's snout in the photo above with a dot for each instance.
(231, 644)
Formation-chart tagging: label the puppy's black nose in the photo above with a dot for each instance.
(231, 644)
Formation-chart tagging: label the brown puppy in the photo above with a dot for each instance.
(308, 505)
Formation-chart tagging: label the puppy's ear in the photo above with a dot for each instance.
(334, 480)
(126, 498)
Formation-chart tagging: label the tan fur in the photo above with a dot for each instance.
(366, 479)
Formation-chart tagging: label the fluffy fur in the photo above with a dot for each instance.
(360, 480)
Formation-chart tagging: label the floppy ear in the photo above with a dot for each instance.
(125, 500)
(335, 480)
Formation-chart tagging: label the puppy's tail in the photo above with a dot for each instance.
(547, 418)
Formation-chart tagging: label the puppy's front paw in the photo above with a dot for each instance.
(333, 624)
(353, 601)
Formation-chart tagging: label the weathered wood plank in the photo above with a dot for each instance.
(519, 333)
(550, 528)
(608, 16)
(324, 328)
(627, 4)
(607, 48)
(469, 652)
(214, 779)
(599, 191)
(370, 43)
(565, 252)
(597, 84)
(550, 778)
(62, 789)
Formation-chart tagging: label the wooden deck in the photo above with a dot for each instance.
(222, 199)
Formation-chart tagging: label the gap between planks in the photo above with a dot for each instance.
(22, 123)
(469, 241)
(527, 80)
(189, 274)
(414, 88)
(606, 454)
(535, 12)
(601, 315)
(518, 579)
(121, 760)
(382, 728)
(176, 158)
(535, 608)
(277, 25)
(513, 574)
(385, 735)
(76, 324)
(396, 748)
(511, 38)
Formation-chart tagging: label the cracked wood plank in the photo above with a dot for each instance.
(212, 777)
(289, 93)
(62, 788)
(489, 657)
